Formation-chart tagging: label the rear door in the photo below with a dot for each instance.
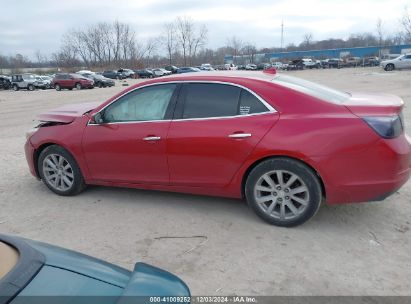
(216, 127)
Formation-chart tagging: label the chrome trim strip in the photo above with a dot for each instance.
(265, 103)
(239, 135)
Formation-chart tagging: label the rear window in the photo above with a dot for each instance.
(312, 89)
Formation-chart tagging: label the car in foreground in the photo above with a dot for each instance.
(401, 62)
(71, 81)
(284, 144)
(35, 272)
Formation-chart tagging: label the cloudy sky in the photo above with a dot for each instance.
(27, 26)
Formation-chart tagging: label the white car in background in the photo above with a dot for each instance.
(277, 65)
(251, 66)
(401, 62)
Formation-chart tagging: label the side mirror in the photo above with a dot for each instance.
(98, 118)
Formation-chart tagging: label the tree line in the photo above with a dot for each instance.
(182, 42)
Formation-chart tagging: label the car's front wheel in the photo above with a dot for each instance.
(57, 87)
(78, 86)
(15, 87)
(283, 192)
(389, 67)
(59, 171)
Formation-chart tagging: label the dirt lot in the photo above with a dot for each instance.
(221, 247)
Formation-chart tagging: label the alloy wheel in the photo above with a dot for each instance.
(58, 172)
(281, 194)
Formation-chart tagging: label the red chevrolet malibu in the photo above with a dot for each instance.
(283, 143)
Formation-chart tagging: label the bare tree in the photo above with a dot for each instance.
(168, 39)
(307, 40)
(236, 45)
(380, 35)
(406, 25)
(250, 50)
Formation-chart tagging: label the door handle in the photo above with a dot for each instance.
(239, 135)
(152, 138)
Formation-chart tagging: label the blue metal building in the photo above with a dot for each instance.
(322, 54)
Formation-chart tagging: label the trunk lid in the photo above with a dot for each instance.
(68, 113)
(362, 104)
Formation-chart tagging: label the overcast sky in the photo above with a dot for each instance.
(27, 26)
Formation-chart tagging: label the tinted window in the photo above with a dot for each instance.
(149, 103)
(408, 57)
(210, 100)
(250, 104)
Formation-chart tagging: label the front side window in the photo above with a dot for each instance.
(145, 104)
(210, 100)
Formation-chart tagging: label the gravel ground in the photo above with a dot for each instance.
(218, 246)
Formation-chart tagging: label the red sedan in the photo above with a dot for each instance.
(283, 143)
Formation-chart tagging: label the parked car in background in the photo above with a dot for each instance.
(173, 69)
(187, 70)
(71, 81)
(158, 72)
(114, 75)
(285, 165)
(99, 80)
(31, 270)
(296, 64)
(371, 61)
(45, 82)
(251, 66)
(127, 73)
(85, 72)
(353, 61)
(401, 62)
(310, 64)
(26, 81)
(206, 67)
(5, 82)
(277, 65)
(334, 63)
(144, 73)
(230, 66)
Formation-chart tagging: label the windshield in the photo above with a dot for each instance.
(8, 259)
(312, 89)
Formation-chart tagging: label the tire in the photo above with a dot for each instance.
(15, 87)
(73, 173)
(389, 67)
(57, 87)
(78, 86)
(31, 87)
(279, 206)
(100, 85)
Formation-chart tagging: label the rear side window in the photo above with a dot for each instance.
(210, 100)
(250, 104)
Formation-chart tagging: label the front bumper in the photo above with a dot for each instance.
(29, 152)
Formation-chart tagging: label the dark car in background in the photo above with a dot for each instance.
(99, 80)
(114, 75)
(187, 70)
(144, 73)
(30, 271)
(71, 81)
(173, 69)
(297, 64)
(5, 82)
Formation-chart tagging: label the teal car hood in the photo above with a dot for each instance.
(82, 264)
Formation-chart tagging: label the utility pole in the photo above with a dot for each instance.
(282, 34)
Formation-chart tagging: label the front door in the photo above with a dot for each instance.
(130, 145)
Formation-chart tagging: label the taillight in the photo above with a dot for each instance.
(386, 126)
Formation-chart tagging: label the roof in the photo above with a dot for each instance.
(258, 75)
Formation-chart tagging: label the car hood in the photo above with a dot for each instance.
(68, 113)
(364, 104)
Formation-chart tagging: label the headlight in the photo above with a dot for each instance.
(30, 132)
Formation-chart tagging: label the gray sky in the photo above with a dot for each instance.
(27, 26)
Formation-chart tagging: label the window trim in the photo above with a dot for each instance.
(176, 101)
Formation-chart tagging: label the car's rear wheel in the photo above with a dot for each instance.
(100, 84)
(78, 86)
(31, 87)
(389, 67)
(283, 192)
(15, 87)
(57, 87)
(59, 171)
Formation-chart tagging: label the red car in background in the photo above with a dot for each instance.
(71, 81)
(283, 143)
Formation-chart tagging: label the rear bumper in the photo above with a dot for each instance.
(371, 175)
(29, 151)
